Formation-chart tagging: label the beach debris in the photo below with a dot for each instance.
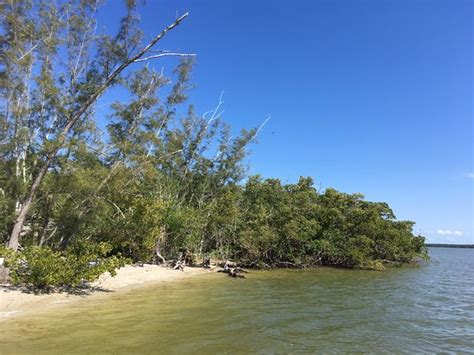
(206, 262)
(158, 257)
(233, 270)
(181, 262)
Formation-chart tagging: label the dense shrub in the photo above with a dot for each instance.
(44, 268)
(295, 223)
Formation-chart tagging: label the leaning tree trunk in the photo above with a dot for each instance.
(14, 241)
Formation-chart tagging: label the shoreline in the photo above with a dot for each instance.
(18, 302)
(443, 245)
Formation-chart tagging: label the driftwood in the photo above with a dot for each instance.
(159, 256)
(206, 262)
(236, 272)
(233, 270)
(179, 265)
(181, 262)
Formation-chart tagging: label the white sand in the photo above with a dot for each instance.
(15, 303)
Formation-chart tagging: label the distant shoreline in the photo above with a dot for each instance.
(436, 245)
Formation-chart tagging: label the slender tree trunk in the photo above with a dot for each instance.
(14, 241)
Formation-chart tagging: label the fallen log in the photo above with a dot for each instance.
(180, 263)
(236, 272)
(206, 262)
(232, 270)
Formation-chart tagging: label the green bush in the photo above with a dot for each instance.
(44, 268)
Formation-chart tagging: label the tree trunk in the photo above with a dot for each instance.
(4, 275)
(14, 241)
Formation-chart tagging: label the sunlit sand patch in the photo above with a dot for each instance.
(8, 313)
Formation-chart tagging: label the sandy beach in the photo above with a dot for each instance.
(16, 302)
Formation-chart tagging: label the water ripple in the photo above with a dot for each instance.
(402, 310)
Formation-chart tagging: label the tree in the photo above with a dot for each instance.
(36, 35)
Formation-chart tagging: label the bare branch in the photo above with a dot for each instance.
(117, 207)
(214, 112)
(261, 126)
(166, 54)
(257, 131)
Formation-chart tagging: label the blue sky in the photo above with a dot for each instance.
(365, 96)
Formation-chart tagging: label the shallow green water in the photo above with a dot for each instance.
(429, 309)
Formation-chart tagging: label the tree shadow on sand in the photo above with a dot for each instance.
(84, 290)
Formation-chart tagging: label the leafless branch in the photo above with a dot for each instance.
(117, 207)
(166, 54)
(261, 126)
(215, 112)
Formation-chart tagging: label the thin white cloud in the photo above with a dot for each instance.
(449, 232)
(469, 175)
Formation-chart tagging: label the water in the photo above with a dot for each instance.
(402, 310)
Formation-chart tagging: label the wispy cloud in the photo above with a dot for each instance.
(469, 175)
(449, 232)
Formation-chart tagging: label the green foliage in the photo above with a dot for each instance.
(44, 268)
(294, 223)
(161, 178)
